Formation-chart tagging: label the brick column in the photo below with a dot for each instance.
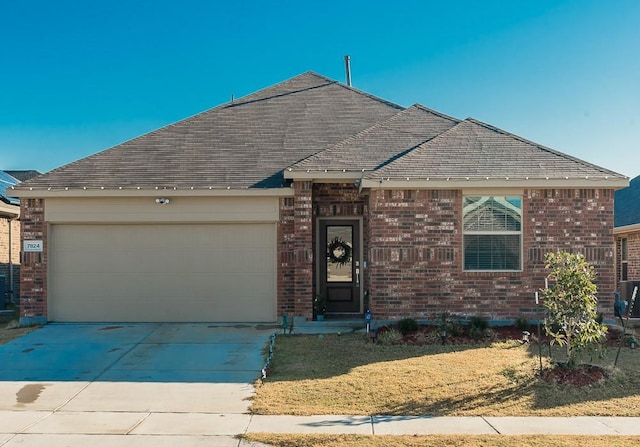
(33, 271)
(286, 258)
(303, 249)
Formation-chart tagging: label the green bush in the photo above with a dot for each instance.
(407, 325)
(571, 302)
(478, 326)
(522, 323)
(456, 329)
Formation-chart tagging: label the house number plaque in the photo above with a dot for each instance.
(32, 246)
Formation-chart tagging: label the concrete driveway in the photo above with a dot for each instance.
(186, 381)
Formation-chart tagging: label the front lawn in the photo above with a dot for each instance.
(440, 441)
(345, 374)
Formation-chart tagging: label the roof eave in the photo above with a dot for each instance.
(8, 211)
(44, 193)
(322, 175)
(627, 229)
(488, 182)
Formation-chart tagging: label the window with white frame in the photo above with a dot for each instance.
(492, 233)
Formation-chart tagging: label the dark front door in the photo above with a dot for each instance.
(339, 265)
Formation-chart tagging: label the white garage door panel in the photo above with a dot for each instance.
(130, 273)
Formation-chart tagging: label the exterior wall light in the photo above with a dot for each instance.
(162, 201)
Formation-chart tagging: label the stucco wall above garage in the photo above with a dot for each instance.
(147, 209)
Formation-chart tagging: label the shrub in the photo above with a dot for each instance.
(428, 338)
(456, 329)
(478, 326)
(522, 323)
(407, 325)
(391, 336)
(449, 326)
(571, 304)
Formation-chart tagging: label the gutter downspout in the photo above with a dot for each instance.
(359, 183)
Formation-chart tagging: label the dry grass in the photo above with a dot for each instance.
(346, 375)
(9, 330)
(280, 440)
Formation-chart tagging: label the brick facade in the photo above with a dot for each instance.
(414, 253)
(10, 242)
(413, 249)
(633, 245)
(33, 272)
(633, 256)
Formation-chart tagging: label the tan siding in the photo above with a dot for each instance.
(145, 209)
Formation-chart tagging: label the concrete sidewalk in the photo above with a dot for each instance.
(68, 428)
(425, 425)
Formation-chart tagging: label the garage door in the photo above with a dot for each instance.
(162, 273)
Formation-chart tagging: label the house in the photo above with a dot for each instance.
(627, 239)
(10, 236)
(250, 210)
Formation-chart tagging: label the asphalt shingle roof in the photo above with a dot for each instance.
(476, 150)
(382, 142)
(627, 205)
(313, 123)
(243, 144)
(23, 175)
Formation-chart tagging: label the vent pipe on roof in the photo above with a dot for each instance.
(347, 67)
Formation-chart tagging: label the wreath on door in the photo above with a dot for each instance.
(338, 251)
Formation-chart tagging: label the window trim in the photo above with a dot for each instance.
(519, 233)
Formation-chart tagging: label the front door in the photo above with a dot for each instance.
(339, 265)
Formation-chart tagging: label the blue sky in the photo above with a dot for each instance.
(79, 77)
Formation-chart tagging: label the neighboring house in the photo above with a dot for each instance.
(10, 236)
(250, 210)
(627, 236)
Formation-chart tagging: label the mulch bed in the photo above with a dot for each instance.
(579, 376)
(495, 334)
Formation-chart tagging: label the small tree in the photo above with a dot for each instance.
(571, 303)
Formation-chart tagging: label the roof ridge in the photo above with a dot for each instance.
(391, 119)
(371, 96)
(417, 147)
(435, 112)
(369, 129)
(372, 128)
(264, 89)
(329, 81)
(541, 146)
